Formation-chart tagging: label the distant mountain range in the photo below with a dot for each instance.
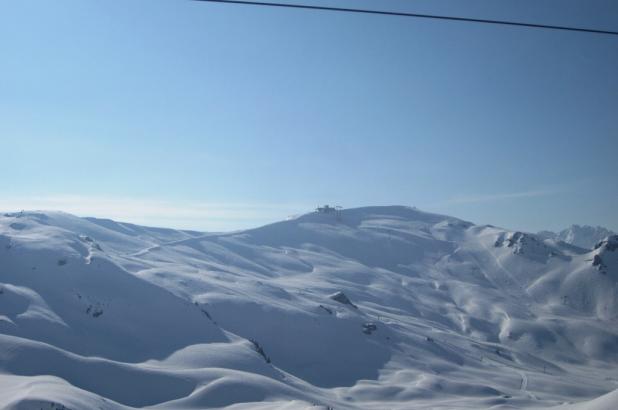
(584, 236)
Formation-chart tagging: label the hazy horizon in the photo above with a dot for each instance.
(214, 217)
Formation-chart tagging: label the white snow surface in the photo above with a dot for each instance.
(369, 308)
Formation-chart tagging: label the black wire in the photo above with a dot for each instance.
(402, 14)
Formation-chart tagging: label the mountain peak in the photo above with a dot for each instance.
(583, 236)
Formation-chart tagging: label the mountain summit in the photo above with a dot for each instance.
(584, 236)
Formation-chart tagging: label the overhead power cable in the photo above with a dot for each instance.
(416, 15)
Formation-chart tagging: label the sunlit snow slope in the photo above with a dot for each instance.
(369, 308)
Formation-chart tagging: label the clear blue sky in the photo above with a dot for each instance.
(188, 114)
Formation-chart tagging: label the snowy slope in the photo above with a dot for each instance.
(372, 308)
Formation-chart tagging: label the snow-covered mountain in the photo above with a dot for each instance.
(367, 308)
(584, 236)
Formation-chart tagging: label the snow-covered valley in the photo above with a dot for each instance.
(366, 308)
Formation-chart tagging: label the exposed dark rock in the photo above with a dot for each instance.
(329, 311)
(342, 298)
(369, 328)
(609, 244)
(260, 350)
(528, 245)
(90, 241)
(603, 251)
(94, 310)
(58, 406)
(597, 261)
(204, 311)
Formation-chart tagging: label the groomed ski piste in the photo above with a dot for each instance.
(366, 308)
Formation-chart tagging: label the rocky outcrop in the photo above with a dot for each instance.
(342, 298)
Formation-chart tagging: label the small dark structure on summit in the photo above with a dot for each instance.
(326, 209)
